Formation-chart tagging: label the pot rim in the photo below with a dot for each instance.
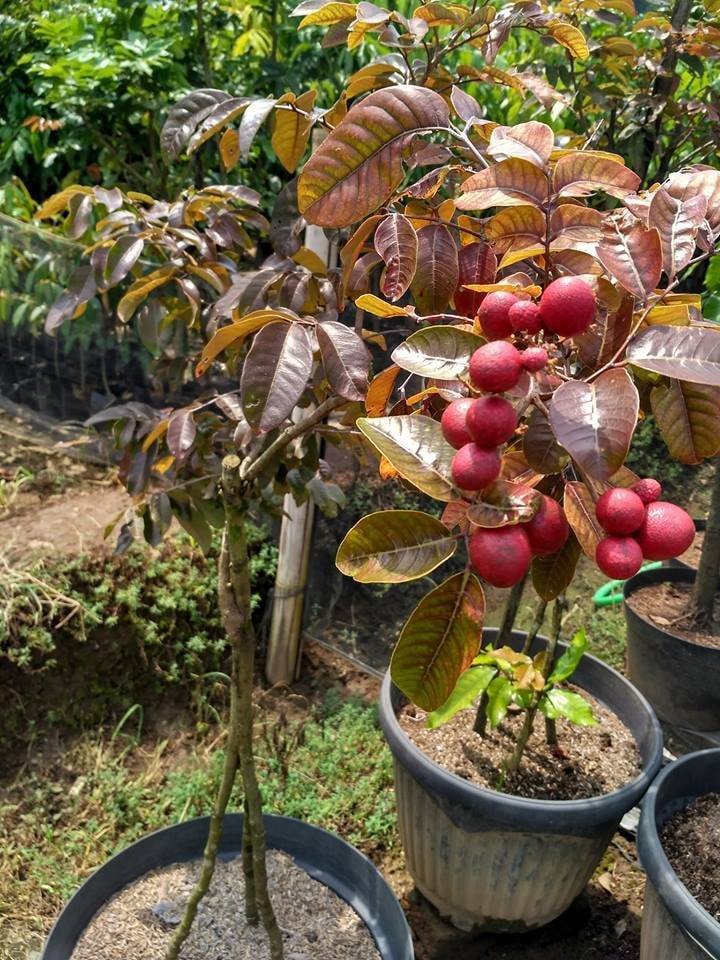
(536, 813)
(651, 578)
(675, 896)
(372, 914)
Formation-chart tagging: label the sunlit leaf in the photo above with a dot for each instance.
(531, 141)
(683, 353)
(229, 147)
(439, 641)
(184, 117)
(516, 227)
(509, 183)
(220, 116)
(595, 421)
(394, 546)
(380, 391)
(416, 448)
(291, 130)
(570, 37)
(235, 333)
(437, 351)
(692, 183)
(122, 257)
(632, 255)
(558, 703)
(677, 222)
(254, 116)
(139, 291)
(578, 174)
(360, 163)
(379, 308)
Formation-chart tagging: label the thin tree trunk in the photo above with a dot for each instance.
(504, 633)
(202, 41)
(234, 592)
(708, 574)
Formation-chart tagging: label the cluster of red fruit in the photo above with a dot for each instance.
(640, 527)
(566, 308)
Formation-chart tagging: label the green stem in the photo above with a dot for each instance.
(504, 634)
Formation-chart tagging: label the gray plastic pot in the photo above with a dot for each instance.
(322, 855)
(674, 925)
(679, 677)
(491, 861)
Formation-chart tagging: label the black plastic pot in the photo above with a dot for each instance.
(676, 561)
(675, 926)
(679, 677)
(488, 860)
(324, 856)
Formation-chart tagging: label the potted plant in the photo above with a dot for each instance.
(679, 816)
(179, 269)
(528, 397)
(673, 644)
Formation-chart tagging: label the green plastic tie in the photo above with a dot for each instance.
(610, 593)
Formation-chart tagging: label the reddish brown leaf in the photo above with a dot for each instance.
(508, 183)
(360, 163)
(397, 243)
(677, 222)
(542, 451)
(578, 174)
(436, 276)
(688, 416)
(274, 374)
(579, 507)
(380, 391)
(684, 353)
(693, 183)
(604, 337)
(477, 263)
(504, 503)
(531, 141)
(633, 255)
(345, 359)
(595, 421)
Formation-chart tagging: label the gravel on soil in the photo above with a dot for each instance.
(691, 841)
(586, 762)
(667, 605)
(138, 923)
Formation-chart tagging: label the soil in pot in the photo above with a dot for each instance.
(691, 841)
(139, 921)
(586, 762)
(667, 605)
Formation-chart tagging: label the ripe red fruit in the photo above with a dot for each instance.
(501, 555)
(619, 557)
(495, 367)
(620, 511)
(525, 315)
(493, 315)
(666, 532)
(491, 421)
(474, 467)
(548, 530)
(533, 359)
(567, 307)
(649, 490)
(453, 422)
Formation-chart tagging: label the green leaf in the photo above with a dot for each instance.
(394, 546)
(563, 703)
(359, 165)
(441, 351)
(500, 693)
(567, 664)
(468, 688)
(417, 449)
(439, 641)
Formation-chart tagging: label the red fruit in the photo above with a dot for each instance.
(620, 511)
(501, 555)
(533, 359)
(567, 307)
(649, 490)
(666, 532)
(453, 422)
(619, 557)
(494, 315)
(495, 367)
(548, 530)
(525, 315)
(491, 421)
(474, 467)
